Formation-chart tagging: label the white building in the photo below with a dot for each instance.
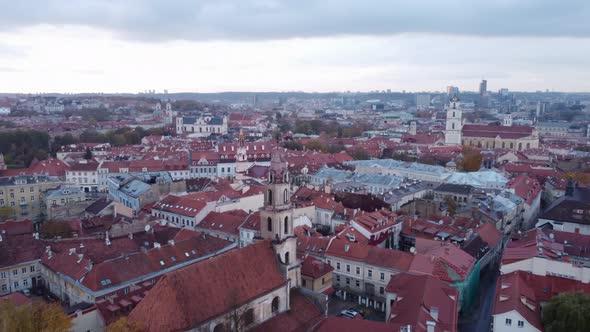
(201, 126)
(454, 123)
(85, 175)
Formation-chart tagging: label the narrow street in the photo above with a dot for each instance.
(479, 318)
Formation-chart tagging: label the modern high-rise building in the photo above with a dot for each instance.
(483, 87)
(452, 91)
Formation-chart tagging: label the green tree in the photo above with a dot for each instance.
(88, 153)
(567, 312)
(451, 206)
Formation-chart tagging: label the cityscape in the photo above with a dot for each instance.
(330, 190)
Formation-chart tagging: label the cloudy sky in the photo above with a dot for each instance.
(305, 45)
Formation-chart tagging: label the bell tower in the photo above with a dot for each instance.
(454, 123)
(277, 220)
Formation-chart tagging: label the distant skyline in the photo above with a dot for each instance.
(312, 46)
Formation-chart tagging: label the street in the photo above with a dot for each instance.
(479, 318)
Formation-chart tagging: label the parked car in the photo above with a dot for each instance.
(360, 311)
(348, 314)
(26, 292)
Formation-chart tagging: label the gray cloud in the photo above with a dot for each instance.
(156, 20)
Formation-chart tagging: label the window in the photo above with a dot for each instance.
(269, 224)
(16, 284)
(32, 189)
(286, 225)
(287, 258)
(323, 281)
(348, 281)
(24, 270)
(269, 197)
(358, 270)
(14, 272)
(347, 268)
(26, 283)
(508, 321)
(3, 275)
(303, 283)
(286, 197)
(4, 288)
(337, 265)
(275, 304)
(337, 278)
(520, 323)
(219, 327)
(370, 273)
(248, 317)
(381, 290)
(382, 276)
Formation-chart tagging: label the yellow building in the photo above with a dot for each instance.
(515, 138)
(24, 194)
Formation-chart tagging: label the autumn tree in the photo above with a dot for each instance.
(471, 160)
(316, 145)
(6, 213)
(38, 316)
(124, 325)
(52, 229)
(567, 312)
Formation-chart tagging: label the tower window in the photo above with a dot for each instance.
(453, 125)
(286, 196)
(453, 112)
(275, 304)
(269, 224)
(286, 225)
(287, 258)
(270, 196)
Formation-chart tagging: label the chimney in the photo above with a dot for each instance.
(80, 258)
(434, 313)
(430, 326)
(130, 236)
(72, 251)
(156, 245)
(171, 242)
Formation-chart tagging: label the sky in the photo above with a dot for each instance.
(116, 46)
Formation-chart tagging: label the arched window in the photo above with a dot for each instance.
(286, 225)
(275, 304)
(511, 145)
(219, 328)
(270, 196)
(287, 258)
(519, 146)
(248, 317)
(286, 196)
(453, 112)
(453, 125)
(269, 224)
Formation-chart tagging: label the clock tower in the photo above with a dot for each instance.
(277, 219)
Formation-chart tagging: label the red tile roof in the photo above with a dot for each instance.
(340, 324)
(525, 187)
(419, 295)
(315, 268)
(233, 278)
(474, 130)
(225, 222)
(302, 316)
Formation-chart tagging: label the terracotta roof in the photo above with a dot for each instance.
(525, 187)
(489, 234)
(513, 293)
(473, 130)
(225, 222)
(315, 268)
(238, 276)
(419, 296)
(302, 316)
(9, 228)
(340, 324)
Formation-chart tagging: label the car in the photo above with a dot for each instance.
(26, 292)
(360, 311)
(348, 314)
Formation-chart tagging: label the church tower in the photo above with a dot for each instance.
(454, 122)
(507, 120)
(242, 164)
(277, 220)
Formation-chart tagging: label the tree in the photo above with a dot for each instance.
(471, 160)
(451, 206)
(52, 229)
(316, 145)
(6, 213)
(38, 316)
(240, 316)
(124, 325)
(88, 154)
(567, 312)
(360, 154)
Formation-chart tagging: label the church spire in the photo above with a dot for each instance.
(242, 141)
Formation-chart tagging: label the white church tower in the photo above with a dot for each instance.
(276, 224)
(507, 120)
(454, 122)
